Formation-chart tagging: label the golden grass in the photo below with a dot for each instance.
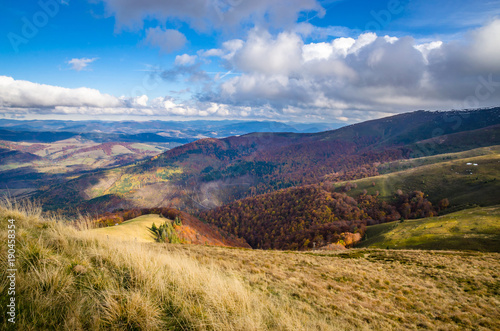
(70, 279)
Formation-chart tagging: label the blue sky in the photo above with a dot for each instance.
(301, 60)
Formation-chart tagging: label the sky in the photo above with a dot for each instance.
(335, 61)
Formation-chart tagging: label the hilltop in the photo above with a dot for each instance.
(189, 229)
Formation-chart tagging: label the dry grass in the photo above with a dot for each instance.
(70, 279)
(373, 289)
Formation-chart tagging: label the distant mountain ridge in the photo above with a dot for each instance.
(173, 129)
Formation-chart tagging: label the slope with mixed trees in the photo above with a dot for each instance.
(312, 216)
(30, 166)
(466, 179)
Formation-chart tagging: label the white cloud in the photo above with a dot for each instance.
(485, 45)
(426, 48)
(166, 40)
(25, 94)
(391, 40)
(229, 48)
(318, 51)
(185, 59)
(363, 40)
(212, 52)
(261, 53)
(80, 64)
(19, 97)
(140, 101)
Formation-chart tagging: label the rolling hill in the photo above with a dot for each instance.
(475, 229)
(26, 167)
(13, 158)
(173, 129)
(54, 136)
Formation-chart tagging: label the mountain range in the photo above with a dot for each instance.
(211, 172)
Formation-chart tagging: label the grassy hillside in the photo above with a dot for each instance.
(460, 181)
(74, 279)
(471, 229)
(405, 164)
(190, 231)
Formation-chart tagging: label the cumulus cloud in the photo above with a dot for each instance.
(185, 59)
(166, 40)
(264, 54)
(206, 14)
(426, 48)
(25, 94)
(80, 64)
(140, 101)
(367, 73)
